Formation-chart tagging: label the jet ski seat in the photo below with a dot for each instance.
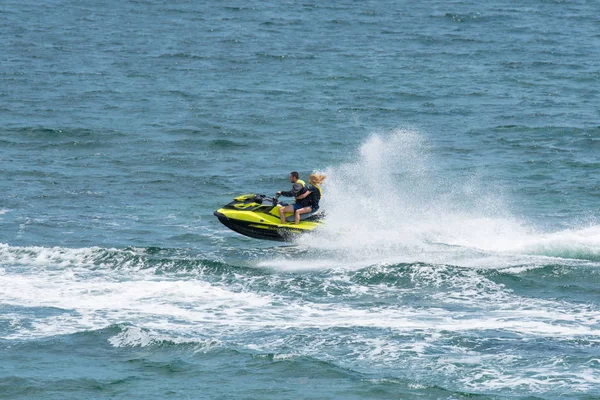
(302, 216)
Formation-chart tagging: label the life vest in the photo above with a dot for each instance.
(304, 188)
(306, 200)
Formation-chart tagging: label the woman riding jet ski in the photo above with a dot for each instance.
(259, 216)
(300, 192)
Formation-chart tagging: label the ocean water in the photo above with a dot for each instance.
(461, 254)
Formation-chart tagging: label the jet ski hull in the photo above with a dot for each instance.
(258, 231)
(257, 216)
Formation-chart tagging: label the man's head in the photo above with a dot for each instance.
(294, 177)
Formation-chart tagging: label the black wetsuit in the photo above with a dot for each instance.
(297, 190)
(314, 197)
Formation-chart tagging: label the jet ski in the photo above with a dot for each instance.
(257, 216)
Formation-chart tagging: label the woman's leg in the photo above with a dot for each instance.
(299, 211)
(283, 210)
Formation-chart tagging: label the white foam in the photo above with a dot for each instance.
(167, 307)
(133, 336)
(581, 243)
(167, 303)
(57, 257)
(497, 374)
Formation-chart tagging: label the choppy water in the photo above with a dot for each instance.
(461, 256)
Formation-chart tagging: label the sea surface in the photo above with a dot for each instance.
(461, 253)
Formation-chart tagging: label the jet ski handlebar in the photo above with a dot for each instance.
(275, 199)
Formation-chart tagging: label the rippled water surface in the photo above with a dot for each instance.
(461, 252)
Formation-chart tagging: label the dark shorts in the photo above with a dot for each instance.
(299, 206)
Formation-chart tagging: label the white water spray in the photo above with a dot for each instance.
(394, 204)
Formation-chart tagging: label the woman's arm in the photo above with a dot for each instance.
(303, 195)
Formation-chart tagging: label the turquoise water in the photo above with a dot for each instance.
(461, 254)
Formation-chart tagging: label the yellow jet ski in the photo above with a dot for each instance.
(257, 216)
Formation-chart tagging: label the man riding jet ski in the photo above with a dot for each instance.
(301, 194)
(262, 217)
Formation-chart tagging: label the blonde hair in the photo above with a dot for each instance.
(316, 179)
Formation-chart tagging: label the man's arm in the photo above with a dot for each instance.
(292, 193)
